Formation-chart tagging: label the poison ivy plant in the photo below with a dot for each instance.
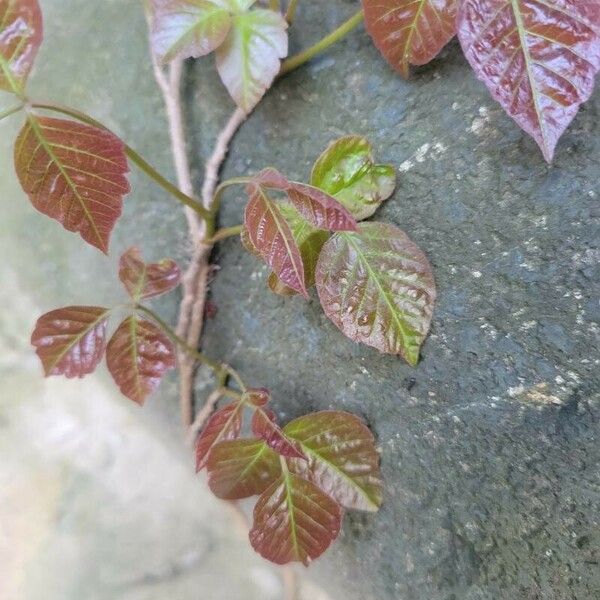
(249, 44)
(327, 462)
(373, 282)
(538, 58)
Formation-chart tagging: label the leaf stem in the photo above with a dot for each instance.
(224, 233)
(291, 11)
(216, 201)
(337, 34)
(11, 111)
(217, 367)
(135, 157)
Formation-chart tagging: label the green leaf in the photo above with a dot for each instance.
(377, 287)
(309, 240)
(240, 5)
(249, 59)
(347, 171)
(70, 341)
(342, 459)
(294, 521)
(138, 355)
(188, 28)
(241, 468)
(73, 173)
(21, 33)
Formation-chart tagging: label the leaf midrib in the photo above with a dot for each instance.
(48, 148)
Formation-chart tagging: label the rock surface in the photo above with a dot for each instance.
(490, 446)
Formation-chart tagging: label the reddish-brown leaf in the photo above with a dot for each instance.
(377, 286)
(257, 396)
(341, 457)
(410, 32)
(320, 209)
(271, 236)
(264, 426)
(294, 521)
(70, 341)
(138, 355)
(21, 33)
(224, 424)
(538, 58)
(73, 173)
(241, 468)
(146, 280)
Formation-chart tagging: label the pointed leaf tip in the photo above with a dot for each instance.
(410, 32)
(71, 341)
(147, 280)
(73, 173)
(538, 59)
(377, 287)
(250, 57)
(294, 521)
(138, 356)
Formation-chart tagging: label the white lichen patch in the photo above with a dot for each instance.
(432, 150)
(539, 394)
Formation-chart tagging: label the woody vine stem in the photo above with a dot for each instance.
(202, 236)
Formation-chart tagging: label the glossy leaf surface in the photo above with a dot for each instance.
(270, 235)
(538, 58)
(294, 521)
(309, 240)
(377, 287)
(347, 171)
(73, 173)
(188, 28)
(224, 424)
(410, 32)
(264, 426)
(70, 341)
(146, 280)
(250, 57)
(21, 33)
(241, 468)
(138, 355)
(342, 459)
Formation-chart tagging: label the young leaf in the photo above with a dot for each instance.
(294, 521)
(377, 287)
(257, 396)
(320, 209)
(410, 32)
(269, 233)
(70, 341)
(241, 468)
(186, 28)
(347, 171)
(308, 239)
(341, 458)
(225, 424)
(249, 59)
(73, 173)
(538, 58)
(21, 33)
(138, 355)
(264, 426)
(143, 280)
